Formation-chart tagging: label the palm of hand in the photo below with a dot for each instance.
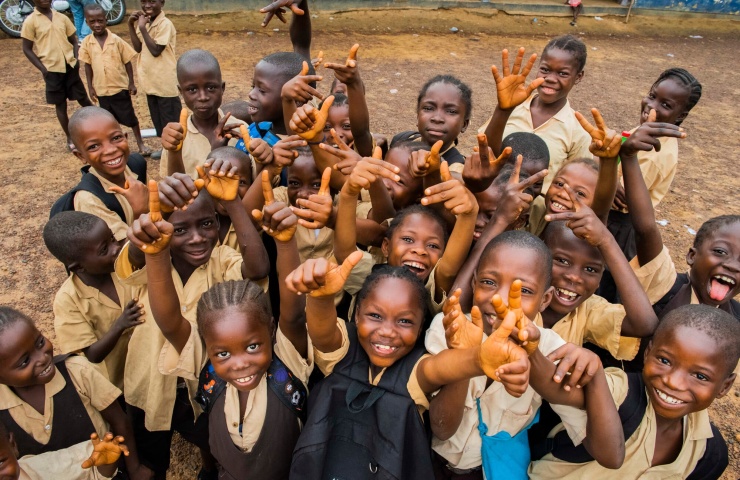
(223, 188)
(108, 453)
(467, 336)
(496, 352)
(511, 91)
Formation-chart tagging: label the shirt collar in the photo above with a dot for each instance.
(8, 398)
(563, 115)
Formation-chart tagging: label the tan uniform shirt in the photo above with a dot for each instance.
(537, 223)
(658, 276)
(64, 464)
(87, 202)
(84, 314)
(564, 136)
(196, 147)
(312, 243)
(599, 322)
(326, 361)
(158, 75)
(189, 363)
(639, 448)
(95, 391)
(658, 168)
(500, 411)
(146, 388)
(50, 39)
(108, 63)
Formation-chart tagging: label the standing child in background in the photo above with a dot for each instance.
(576, 6)
(546, 112)
(110, 75)
(154, 36)
(78, 15)
(50, 44)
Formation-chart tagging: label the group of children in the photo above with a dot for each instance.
(301, 298)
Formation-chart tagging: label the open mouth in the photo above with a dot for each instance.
(114, 163)
(382, 349)
(251, 109)
(548, 90)
(558, 207)
(244, 380)
(566, 296)
(199, 254)
(415, 267)
(720, 286)
(45, 372)
(667, 398)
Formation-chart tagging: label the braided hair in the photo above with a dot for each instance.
(682, 77)
(243, 295)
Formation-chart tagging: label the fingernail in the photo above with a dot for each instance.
(556, 378)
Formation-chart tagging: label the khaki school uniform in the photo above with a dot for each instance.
(326, 361)
(146, 388)
(658, 168)
(500, 411)
(537, 211)
(65, 462)
(599, 322)
(158, 75)
(564, 136)
(87, 202)
(108, 63)
(312, 243)
(193, 357)
(639, 448)
(196, 147)
(658, 276)
(83, 315)
(50, 39)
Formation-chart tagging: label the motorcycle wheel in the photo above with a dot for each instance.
(115, 10)
(12, 14)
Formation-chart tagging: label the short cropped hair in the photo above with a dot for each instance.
(66, 233)
(84, 115)
(530, 146)
(238, 109)
(197, 57)
(289, 64)
(521, 239)
(93, 8)
(708, 228)
(719, 325)
(232, 154)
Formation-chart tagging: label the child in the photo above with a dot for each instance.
(375, 366)
(110, 76)
(534, 152)
(52, 405)
(93, 312)
(576, 6)
(688, 364)
(151, 28)
(154, 401)
(100, 143)
(233, 344)
(547, 112)
(515, 265)
(200, 83)
(50, 44)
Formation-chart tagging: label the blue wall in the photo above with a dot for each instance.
(731, 7)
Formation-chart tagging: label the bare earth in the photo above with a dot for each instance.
(400, 50)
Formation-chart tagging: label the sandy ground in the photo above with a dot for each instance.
(400, 50)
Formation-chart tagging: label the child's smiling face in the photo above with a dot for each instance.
(202, 89)
(668, 99)
(102, 144)
(409, 189)
(684, 372)
(559, 68)
(338, 119)
(195, 233)
(25, 356)
(98, 251)
(441, 114)
(239, 348)
(265, 104)
(579, 177)
(389, 320)
(417, 243)
(715, 266)
(152, 8)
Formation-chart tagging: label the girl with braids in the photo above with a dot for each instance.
(542, 107)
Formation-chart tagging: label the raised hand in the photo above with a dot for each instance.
(277, 219)
(136, 193)
(502, 359)
(298, 88)
(457, 199)
(221, 180)
(605, 142)
(174, 133)
(523, 331)
(482, 167)
(514, 199)
(321, 278)
(133, 315)
(645, 138)
(283, 151)
(368, 171)
(150, 233)
(106, 451)
(576, 363)
(221, 134)
(459, 332)
(316, 211)
(582, 220)
(178, 191)
(348, 157)
(510, 87)
(422, 163)
(308, 122)
(316, 62)
(278, 9)
(347, 73)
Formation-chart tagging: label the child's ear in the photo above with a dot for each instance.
(579, 77)
(223, 87)
(465, 126)
(385, 247)
(690, 256)
(546, 298)
(474, 281)
(647, 351)
(179, 89)
(75, 267)
(78, 154)
(726, 385)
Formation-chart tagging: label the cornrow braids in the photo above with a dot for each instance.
(244, 295)
(572, 44)
(589, 162)
(686, 79)
(421, 210)
(466, 93)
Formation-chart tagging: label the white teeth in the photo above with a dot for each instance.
(668, 399)
(567, 293)
(416, 265)
(384, 348)
(725, 278)
(47, 369)
(245, 379)
(114, 163)
(558, 206)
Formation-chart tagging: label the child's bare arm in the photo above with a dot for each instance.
(511, 91)
(120, 424)
(131, 316)
(640, 319)
(130, 74)
(173, 136)
(154, 48)
(461, 203)
(32, 57)
(359, 116)
(300, 29)
(132, 21)
(322, 280)
(604, 434)
(90, 87)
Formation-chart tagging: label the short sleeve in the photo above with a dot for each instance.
(284, 349)
(73, 331)
(65, 462)
(604, 325)
(92, 384)
(657, 276)
(618, 384)
(415, 391)
(28, 30)
(69, 27)
(359, 274)
(326, 361)
(581, 142)
(431, 287)
(435, 340)
(126, 272)
(127, 51)
(164, 34)
(457, 168)
(186, 364)
(229, 262)
(87, 202)
(83, 54)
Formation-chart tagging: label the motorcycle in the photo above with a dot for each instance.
(14, 12)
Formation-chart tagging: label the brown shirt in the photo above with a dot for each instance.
(108, 63)
(50, 39)
(158, 75)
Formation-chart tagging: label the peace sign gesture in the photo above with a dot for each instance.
(514, 200)
(523, 329)
(422, 163)
(482, 167)
(318, 208)
(277, 219)
(510, 87)
(308, 122)
(583, 221)
(605, 142)
(321, 278)
(150, 233)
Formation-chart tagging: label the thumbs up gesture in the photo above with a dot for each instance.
(422, 163)
(277, 219)
(174, 133)
(150, 233)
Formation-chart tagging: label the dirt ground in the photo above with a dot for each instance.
(400, 50)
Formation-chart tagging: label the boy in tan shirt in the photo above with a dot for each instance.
(50, 44)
